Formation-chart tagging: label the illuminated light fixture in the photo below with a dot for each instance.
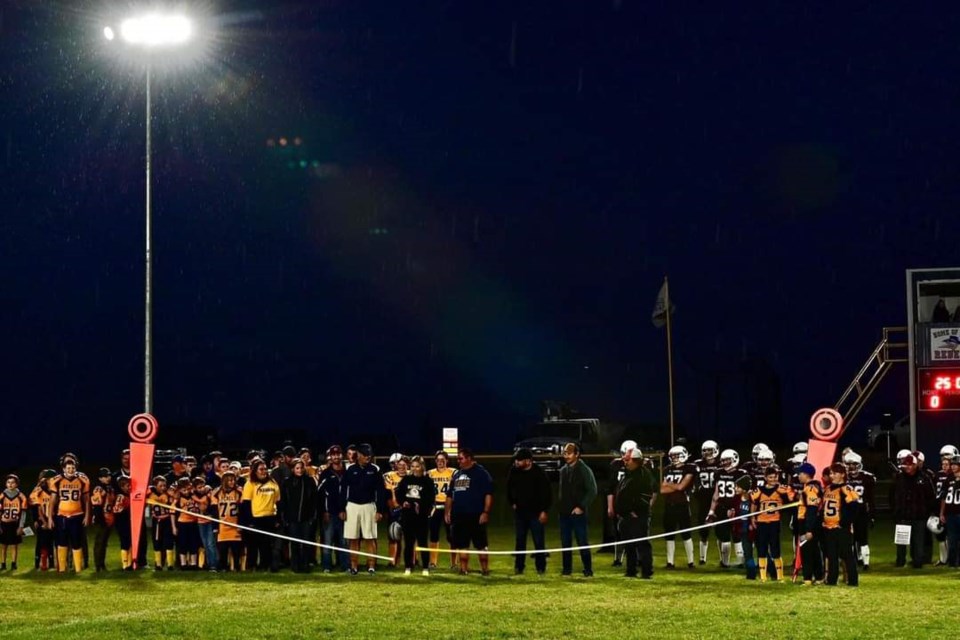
(297, 141)
(156, 30)
(108, 33)
(283, 142)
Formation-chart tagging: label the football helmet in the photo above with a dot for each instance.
(903, 453)
(678, 454)
(710, 450)
(765, 458)
(801, 447)
(628, 445)
(395, 458)
(919, 456)
(948, 451)
(395, 531)
(853, 462)
(757, 448)
(729, 459)
(934, 525)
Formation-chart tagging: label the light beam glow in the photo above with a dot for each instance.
(156, 30)
(108, 33)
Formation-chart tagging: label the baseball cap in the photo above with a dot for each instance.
(334, 448)
(177, 458)
(365, 450)
(523, 454)
(808, 469)
(103, 472)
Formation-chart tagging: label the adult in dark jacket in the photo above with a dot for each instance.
(913, 502)
(415, 495)
(631, 505)
(330, 508)
(529, 494)
(298, 512)
(578, 488)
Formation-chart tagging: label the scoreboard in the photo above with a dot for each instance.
(938, 389)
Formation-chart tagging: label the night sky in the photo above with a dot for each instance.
(482, 206)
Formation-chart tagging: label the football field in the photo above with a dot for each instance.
(703, 602)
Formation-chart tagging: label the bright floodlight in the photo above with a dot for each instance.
(156, 30)
(108, 33)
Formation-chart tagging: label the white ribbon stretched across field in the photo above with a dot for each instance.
(268, 533)
(622, 542)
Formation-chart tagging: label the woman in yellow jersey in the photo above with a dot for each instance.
(441, 477)
(259, 504)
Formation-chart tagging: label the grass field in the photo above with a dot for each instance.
(705, 602)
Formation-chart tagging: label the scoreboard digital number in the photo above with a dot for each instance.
(939, 389)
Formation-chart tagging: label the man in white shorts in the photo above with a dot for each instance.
(364, 495)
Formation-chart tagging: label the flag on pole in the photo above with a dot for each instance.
(659, 315)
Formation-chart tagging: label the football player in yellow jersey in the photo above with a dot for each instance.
(40, 499)
(770, 495)
(390, 480)
(226, 501)
(809, 524)
(163, 525)
(121, 521)
(188, 535)
(70, 510)
(441, 476)
(13, 517)
(837, 511)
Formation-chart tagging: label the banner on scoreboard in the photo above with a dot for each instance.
(945, 344)
(451, 440)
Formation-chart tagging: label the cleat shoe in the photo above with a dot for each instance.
(670, 565)
(407, 572)
(425, 572)
(371, 571)
(352, 571)
(690, 565)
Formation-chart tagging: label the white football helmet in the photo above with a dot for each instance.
(757, 448)
(765, 458)
(628, 445)
(678, 454)
(710, 450)
(903, 453)
(933, 524)
(801, 447)
(799, 459)
(853, 462)
(395, 458)
(920, 456)
(948, 451)
(729, 459)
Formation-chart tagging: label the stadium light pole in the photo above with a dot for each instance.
(151, 33)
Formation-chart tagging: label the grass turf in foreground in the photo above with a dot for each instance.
(705, 602)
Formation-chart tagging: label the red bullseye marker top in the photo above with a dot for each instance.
(142, 428)
(826, 424)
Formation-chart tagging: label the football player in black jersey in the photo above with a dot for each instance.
(947, 452)
(724, 505)
(864, 483)
(751, 464)
(950, 511)
(678, 483)
(707, 466)
(765, 459)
